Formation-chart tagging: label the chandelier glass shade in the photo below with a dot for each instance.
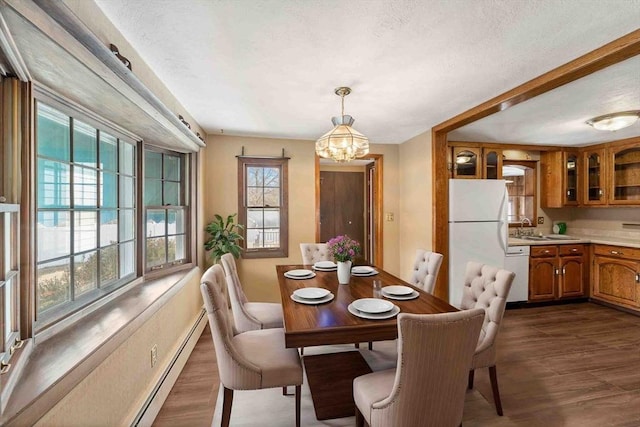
(615, 121)
(342, 143)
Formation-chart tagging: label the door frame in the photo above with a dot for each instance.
(377, 228)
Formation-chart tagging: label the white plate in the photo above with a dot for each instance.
(325, 269)
(308, 276)
(397, 290)
(299, 273)
(362, 269)
(374, 316)
(325, 265)
(313, 301)
(372, 305)
(372, 273)
(311, 293)
(412, 295)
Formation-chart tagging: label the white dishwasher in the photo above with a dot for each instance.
(517, 260)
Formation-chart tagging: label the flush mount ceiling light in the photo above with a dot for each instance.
(614, 121)
(342, 143)
(462, 159)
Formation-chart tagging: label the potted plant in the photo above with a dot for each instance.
(224, 237)
(344, 249)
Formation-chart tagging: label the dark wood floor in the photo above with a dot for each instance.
(569, 365)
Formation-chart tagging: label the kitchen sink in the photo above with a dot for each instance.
(536, 238)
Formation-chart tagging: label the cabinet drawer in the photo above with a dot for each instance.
(617, 251)
(543, 251)
(571, 250)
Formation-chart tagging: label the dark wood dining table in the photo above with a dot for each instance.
(330, 375)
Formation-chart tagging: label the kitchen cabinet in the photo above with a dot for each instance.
(560, 179)
(625, 174)
(491, 163)
(594, 173)
(616, 275)
(557, 272)
(467, 162)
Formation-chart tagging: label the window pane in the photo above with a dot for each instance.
(171, 168)
(126, 192)
(85, 187)
(272, 196)
(54, 234)
(85, 233)
(272, 218)
(156, 253)
(53, 284)
(254, 239)
(156, 222)
(127, 259)
(108, 265)
(53, 133)
(127, 225)
(152, 165)
(9, 310)
(108, 152)
(254, 176)
(176, 221)
(254, 218)
(108, 227)
(54, 181)
(85, 272)
(152, 192)
(127, 158)
(108, 190)
(271, 177)
(255, 196)
(176, 250)
(85, 146)
(172, 193)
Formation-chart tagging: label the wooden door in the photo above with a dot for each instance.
(492, 164)
(467, 162)
(572, 279)
(624, 176)
(542, 277)
(616, 280)
(594, 178)
(342, 208)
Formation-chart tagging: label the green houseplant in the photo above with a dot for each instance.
(224, 237)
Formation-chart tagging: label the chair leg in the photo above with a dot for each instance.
(370, 345)
(301, 351)
(359, 418)
(494, 386)
(471, 372)
(298, 393)
(227, 401)
(284, 391)
(357, 345)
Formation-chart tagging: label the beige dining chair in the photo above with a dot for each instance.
(487, 287)
(314, 252)
(428, 386)
(248, 316)
(425, 269)
(251, 360)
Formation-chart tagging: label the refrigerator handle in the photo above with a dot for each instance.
(503, 231)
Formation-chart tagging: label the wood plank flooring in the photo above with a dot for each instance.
(569, 365)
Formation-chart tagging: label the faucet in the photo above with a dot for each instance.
(521, 229)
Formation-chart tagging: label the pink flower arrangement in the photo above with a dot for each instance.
(343, 248)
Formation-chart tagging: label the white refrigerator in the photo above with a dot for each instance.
(478, 228)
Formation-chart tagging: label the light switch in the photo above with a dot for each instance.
(389, 216)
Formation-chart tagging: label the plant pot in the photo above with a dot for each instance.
(344, 272)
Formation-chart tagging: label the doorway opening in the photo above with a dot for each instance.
(349, 201)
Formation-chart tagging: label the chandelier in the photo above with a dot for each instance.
(342, 143)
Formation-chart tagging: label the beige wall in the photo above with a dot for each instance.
(415, 218)
(220, 195)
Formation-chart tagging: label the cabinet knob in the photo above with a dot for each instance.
(574, 250)
(638, 278)
(557, 272)
(546, 251)
(564, 271)
(616, 253)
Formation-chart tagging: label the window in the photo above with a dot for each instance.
(165, 196)
(9, 280)
(263, 206)
(521, 186)
(85, 202)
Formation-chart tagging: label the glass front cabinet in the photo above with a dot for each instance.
(491, 163)
(594, 176)
(466, 162)
(571, 168)
(625, 174)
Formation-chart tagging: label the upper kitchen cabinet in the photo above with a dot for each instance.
(466, 162)
(491, 163)
(560, 179)
(625, 174)
(594, 177)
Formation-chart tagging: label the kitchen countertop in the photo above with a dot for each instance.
(600, 240)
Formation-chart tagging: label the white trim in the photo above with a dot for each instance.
(8, 46)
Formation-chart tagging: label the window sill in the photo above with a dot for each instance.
(58, 364)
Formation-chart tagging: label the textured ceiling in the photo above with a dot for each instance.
(268, 68)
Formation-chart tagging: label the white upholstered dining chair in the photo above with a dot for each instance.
(250, 360)
(248, 316)
(427, 388)
(314, 252)
(425, 269)
(487, 288)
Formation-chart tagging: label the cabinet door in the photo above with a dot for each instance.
(594, 178)
(466, 163)
(492, 164)
(615, 280)
(570, 164)
(625, 175)
(542, 278)
(572, 275)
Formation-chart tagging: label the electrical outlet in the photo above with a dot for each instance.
(389, 216)
(540, 220)
(154, 355)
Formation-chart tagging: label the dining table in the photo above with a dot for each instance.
(307, 324)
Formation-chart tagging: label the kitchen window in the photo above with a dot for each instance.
(263, 206)
(521, 181)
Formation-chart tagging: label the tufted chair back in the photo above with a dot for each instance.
(487, 287)
(314, 252)
(243, 320)
(425, 269)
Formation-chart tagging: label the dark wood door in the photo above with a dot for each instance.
(542, 275)
(342, 206)
(572, 284)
